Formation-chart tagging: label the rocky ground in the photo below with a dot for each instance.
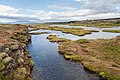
(15, 61)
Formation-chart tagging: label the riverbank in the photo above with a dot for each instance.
(95, 55)
(74, 31)
(100, 56)
(15, 61)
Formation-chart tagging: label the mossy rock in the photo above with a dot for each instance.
(14, 47)
(20, 60)
(2, 66)
(1, 76)
(20, 74)
(7, 60)
(31, 62)
(3, 54)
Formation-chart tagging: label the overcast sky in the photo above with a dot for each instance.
(57, 10)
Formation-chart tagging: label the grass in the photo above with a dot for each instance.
(54, 38)
(72, 57)
(75, 31)
(113, 31)
(82, 41)
(101, 56)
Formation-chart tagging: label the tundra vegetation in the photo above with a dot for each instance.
(100, 23)
(75, 31)
(113, 31)
(54, 38)
(15, 61)
(101, 56)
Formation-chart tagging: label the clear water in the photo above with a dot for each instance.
(87, 28)
(94, 35)
(50, 65)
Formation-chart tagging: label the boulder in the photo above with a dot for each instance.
(2, 66)
(6, 60)
(14, 47)
(3, 54)
(20, 74)
(20, 61)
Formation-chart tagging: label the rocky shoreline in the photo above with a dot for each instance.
(15, 61)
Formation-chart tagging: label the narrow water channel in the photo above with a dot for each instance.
(50, 65)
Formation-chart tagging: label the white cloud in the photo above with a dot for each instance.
(89, 9)
(8, 9)
(11, 14)
(61, 7)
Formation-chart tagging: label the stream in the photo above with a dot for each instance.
(50, 65)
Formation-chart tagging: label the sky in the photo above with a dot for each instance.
(37, 11)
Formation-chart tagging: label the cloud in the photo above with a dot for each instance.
(61, 7)
(100, 6)
(11, 14)
(8, 9)
(89, 9)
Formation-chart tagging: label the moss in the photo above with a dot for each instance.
(72, 57)
(2, 66)
(100, 56)
(108, 76)
(20, 74)
(82, 41)
(1, 76)
(75, 31)
(54, 38)
(90, 66)
(113, 31)
(31, 62)
(7, 60)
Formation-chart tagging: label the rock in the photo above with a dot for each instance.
(6, 60)
(2, 55)
(20, 74)
(31, 62)
(2, 66)
(20, 61)
(14, 47)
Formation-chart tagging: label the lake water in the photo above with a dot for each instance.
(50, 65)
